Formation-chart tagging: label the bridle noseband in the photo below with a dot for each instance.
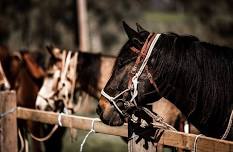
(144, 55)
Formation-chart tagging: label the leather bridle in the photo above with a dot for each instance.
(136, 71)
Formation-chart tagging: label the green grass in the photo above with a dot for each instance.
(164, 17)
(95, 142)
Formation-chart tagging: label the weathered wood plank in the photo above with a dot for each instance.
(170, 138)
(8, 123)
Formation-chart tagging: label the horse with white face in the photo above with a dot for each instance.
(56, 93)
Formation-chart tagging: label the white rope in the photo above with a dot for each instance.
(112, 99)
(66, 65)
(92, 130)
(42, 139)
(137, 75)
(228, 127)
(21, 141)
(195, 143)
(59, 119)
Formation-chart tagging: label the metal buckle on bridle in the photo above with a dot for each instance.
(133, 82)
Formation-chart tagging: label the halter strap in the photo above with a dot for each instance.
(144, 63)
(146, 49)
(67, 60)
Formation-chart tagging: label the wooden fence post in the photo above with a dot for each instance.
(8, 123)
(82, 15)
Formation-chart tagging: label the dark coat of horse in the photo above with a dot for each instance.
(93, 71)
(196, 76)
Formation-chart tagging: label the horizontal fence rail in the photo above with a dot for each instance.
(170, 138)
(71, 121)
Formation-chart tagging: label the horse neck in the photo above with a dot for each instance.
(192, 103)
(99, 70)
(26, 89)
(106, 67)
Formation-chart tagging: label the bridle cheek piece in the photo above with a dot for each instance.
(144, 55)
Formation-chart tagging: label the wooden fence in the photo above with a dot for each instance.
(8, 131)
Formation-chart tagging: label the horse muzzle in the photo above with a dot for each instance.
(108, 113)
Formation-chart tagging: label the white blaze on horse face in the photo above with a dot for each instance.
(60, 86)
(66, 85)
(45, 96)
(3, 80)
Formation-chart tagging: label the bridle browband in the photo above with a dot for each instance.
(144, 55)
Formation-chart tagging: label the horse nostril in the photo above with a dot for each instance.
(37, 107)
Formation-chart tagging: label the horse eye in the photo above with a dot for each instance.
(136, 41)
(50, 75)
(69, 95)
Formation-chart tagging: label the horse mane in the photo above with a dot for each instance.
(88, 78)
(204, 70)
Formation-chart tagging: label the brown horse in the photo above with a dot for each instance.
(180, 68)
(25, 77)
(93, 71)
(37, 75)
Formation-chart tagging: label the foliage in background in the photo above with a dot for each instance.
(34, 23)
(216, 15)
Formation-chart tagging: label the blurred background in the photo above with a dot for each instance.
(33, 23)
(96, 26)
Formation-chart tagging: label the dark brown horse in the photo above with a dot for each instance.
(93, 71)
(196, 76)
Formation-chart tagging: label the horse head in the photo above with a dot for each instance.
(119, 97)
(56, 93)
(28, 78)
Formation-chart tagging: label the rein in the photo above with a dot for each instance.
(133, 83)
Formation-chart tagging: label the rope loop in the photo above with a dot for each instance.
(92, 130)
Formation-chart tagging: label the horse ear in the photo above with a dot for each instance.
(53, 51)
(50, 49)
(35, 70)
(140, 28)
(131, 33)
